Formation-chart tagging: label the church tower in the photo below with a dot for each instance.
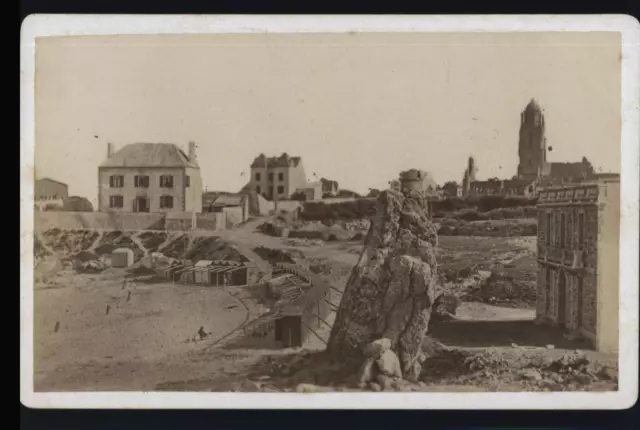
(532, 152)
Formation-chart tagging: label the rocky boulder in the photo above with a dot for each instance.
(391, 289)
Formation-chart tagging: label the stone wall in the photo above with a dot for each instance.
(125, 221)
(98, 221)
(550, 236)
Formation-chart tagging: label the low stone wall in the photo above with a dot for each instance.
(98, 221)
(125, 221)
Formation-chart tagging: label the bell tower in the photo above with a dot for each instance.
(532, 153)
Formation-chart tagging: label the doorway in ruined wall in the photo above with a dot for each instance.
(580, 313)
(562, 299)
(547, 292)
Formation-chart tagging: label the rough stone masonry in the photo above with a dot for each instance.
(391, 289)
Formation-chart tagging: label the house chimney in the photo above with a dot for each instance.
(192, 151)
(109, 150)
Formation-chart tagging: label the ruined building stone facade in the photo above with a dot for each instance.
(578, 241)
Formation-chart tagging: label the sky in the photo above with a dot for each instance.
(357, 107)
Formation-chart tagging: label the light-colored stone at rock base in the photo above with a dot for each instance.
(389, 365)
(310, 388)
(376, 348)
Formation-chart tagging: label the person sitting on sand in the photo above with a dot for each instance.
(203, 334)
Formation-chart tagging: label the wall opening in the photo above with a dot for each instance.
(562, 300)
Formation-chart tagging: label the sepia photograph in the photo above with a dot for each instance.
(218, 208)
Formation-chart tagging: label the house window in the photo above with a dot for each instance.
(166, 202)
(166, 181)
(548, 229)
(187, 181)
(270, 177)
(116, 181)
(258, 189)
(552, 232)
(563, 220)
(258, 177)
(141, 182)
(280, 176)
(280, 189)
(581, 230)
(116, 202)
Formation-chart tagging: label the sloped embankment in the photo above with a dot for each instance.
(66, 243)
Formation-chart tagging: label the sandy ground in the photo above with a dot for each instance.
(151, 327)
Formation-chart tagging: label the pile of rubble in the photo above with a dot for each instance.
(537, 371)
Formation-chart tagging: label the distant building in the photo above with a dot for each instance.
(469, 176)
(451, 189)
(533, 171)
(150, 177)
(49, 189)
(532, 153)
(48, 192)
(578, 257)
(235, 205)
(277, 177)
(311, 191)
(505, 188)
(329, 187)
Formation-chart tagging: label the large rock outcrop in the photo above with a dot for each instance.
(391, 289)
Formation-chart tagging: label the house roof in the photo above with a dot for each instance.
(149, 155)
(122, 251)
(51, 180)
(283, 160)
(203, 263)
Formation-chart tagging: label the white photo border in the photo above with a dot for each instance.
(74, 25)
